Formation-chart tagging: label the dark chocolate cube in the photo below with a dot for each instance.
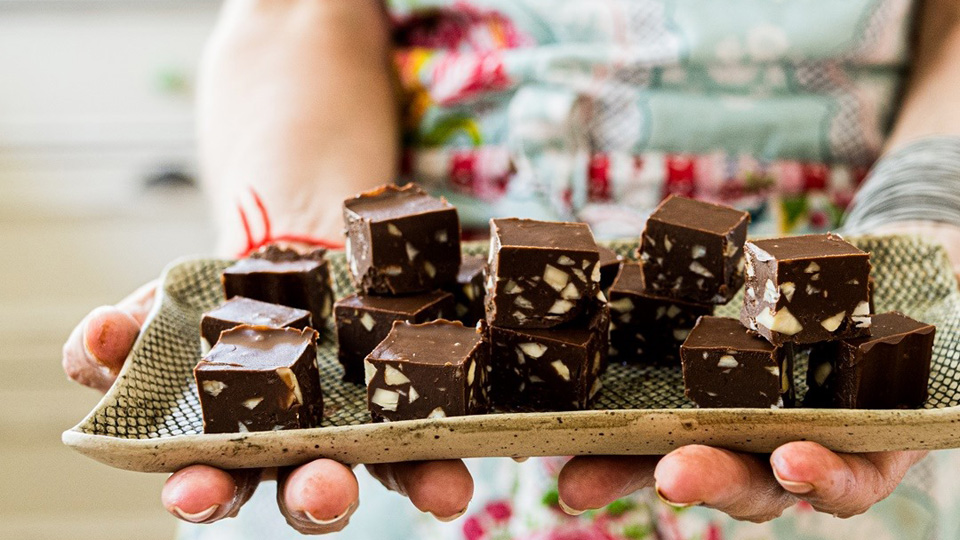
(542, 274)
(286, 277)
(806, 289)
(401, 241)
(645, 327)
(726, 366)
(693, 250)
(610, 264)
(258, 378)
(890, 369)
(468, 292)
(363, 321)
(240, 310)
(550, 369)
(431, 370)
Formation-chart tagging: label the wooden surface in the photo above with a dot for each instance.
(57, 266)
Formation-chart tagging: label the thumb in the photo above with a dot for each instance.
(97, 348)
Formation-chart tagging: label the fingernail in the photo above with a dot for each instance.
(567, 509)
(448, 519)
(199, 517)
(797, 488)
(668, 502)
(520, 459)
(332, 520)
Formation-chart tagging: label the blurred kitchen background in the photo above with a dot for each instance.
(96, 196)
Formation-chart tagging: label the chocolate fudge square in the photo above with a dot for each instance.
(468, 292)
(400, 240)
(726, 366)
(258, 378)
(550, 369)
(431, 370)
(542, 273)
(364, 320)
(240, 310)
(890, 369)
(610, 264)
(806, 289)
(286, 277)
(644, 327)
(693, 250)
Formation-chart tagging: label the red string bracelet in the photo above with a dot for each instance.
(268, 237)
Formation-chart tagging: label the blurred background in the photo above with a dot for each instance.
(96, 196)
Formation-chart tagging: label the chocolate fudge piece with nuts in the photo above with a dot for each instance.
(646, 327)
(468, 292)
(889, 369)
(431, 370)
(693, 250)
(726, 366)
(286, 277)
(258, 378)
(550, 369)
(400, 240)
(610, 264)
(542, 273)
(240, 310)
(806, 289)
(364, 320)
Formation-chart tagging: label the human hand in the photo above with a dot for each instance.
(316, 498)
(747, 487)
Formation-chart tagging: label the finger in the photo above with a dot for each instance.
(319, 497)
(204, 494)
(442, 488)
(840, 484)
(741, 485)
(98, 347)
(589, 482)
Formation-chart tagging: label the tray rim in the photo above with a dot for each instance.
(116, 451)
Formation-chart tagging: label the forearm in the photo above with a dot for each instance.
(295, 102)
(915, 187)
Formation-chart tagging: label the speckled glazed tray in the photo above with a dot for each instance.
(150, 419)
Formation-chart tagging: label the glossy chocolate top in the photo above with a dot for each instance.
(390, 202)
(256, 313)
(407, 305)
(608, 256)
(257, 348)
(438, 342)
(890, 327)
(470, 267)
(274, 258)
(721, 332)
(630, 278)
(699, 215)
(529, 233)
(804, 247)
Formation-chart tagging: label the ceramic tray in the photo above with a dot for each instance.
(150, 419)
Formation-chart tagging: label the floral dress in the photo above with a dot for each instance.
(594, 110)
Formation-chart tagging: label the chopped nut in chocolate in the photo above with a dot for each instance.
(431, 370)
(693, 250)
(363, 321)
(726, 366)
(646, 327)
(258, 378)
(553, 369)
(286, 277)
(468, 292)
(400, 240)
(889, 369)
(542, 274)
(806, 289)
